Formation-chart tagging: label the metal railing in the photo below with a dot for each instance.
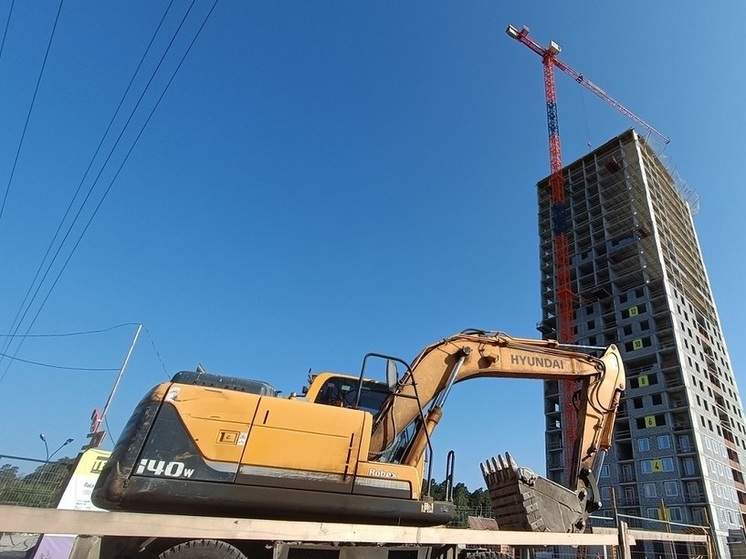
(460, 520)
(659, 548)
(30, 482)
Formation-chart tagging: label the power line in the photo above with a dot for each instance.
(157, 353)
(80, 333)
(68, 334)
(7, 24)
(111, 183)
(51, 366)
(108, 431)
(16, 321)
(30, 109)
(14, 357)
(121, 165)
(132, 147)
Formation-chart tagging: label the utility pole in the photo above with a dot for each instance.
(97, 434)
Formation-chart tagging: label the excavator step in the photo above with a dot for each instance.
(522, 500)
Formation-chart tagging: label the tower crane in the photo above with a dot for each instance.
(563, 289)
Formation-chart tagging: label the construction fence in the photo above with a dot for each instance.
(29, 482)
(656, 539)
(648, 539)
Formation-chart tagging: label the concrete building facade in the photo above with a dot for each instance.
(640, 282)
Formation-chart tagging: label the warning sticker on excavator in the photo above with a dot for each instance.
(227, 437)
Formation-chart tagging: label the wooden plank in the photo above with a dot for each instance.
(635, 534)
(52, 521)
(668, 536)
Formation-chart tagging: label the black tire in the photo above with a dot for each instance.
(202, 549)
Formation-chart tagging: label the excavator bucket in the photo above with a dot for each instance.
(523, 501)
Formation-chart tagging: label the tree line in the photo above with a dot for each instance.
(462, 497)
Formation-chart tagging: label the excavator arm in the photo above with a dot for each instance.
(477, 354)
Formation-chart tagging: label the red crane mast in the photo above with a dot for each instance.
(563, 288)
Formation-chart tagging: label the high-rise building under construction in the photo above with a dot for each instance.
(639, 280)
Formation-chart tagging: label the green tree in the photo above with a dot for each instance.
(437, 490)
(461, 495)
(8, 473)
(8, 484)
(478, 499)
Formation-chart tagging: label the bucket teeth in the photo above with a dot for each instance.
(509, 458)
(499, 468)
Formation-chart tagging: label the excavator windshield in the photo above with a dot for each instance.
(342, 391)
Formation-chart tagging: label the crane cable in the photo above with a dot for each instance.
(585, 120)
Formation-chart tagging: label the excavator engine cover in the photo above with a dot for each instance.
(523, 501)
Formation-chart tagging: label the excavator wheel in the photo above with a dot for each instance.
(523, 501)
(202, 549)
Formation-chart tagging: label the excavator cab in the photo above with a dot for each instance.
(342, 391)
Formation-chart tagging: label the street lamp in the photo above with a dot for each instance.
(46, 447)
(67, 442)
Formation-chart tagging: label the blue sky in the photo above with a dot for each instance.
(324, 179)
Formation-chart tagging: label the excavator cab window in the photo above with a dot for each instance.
(395, 453)
(342, 392)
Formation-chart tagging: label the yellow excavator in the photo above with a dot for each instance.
(352, 449)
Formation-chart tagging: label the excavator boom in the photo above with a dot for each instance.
(475, 354)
